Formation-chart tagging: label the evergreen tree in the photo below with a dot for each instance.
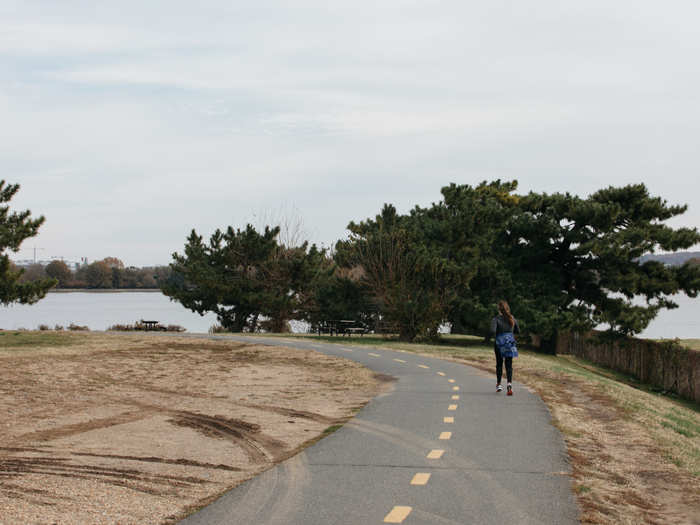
(468, 228)
(14, 229)
(410, 285)
(242, 276)
(575, 261)
(223, 276)
(335, 293)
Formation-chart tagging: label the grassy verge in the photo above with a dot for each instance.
(635, 453)
(693, 344)
(28, 340)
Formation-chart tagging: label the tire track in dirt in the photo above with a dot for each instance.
(79, 428)
(153, 459)
(155, 484)
(259, 447)
(290, 412)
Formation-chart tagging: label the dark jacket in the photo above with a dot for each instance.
(500, 324)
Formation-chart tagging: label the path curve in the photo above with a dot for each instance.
(441, 448)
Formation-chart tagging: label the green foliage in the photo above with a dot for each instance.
(563, 262)
(14, 229)
(242, 275)
(410, 285)
(468, 227)
(334, 295)
(34, 340)
(435, 264)
(575, 260)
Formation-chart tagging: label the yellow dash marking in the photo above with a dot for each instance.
(450, 380)
(452, 407)
(399, 360)
(420, 479)
(423, 366)
(441, 373)
(455, 396)
(374, 355)
(435, 454)
(455, 388)
(397, 514)
(448, 420)
(445, 435)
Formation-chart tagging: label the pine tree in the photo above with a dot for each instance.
(575, 261)
(242, 276)
(468, 228)
(14, 229)
(410, 284)
(223, 276)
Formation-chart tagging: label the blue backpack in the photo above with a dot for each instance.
(505, 343)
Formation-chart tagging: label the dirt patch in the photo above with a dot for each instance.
(138, 429)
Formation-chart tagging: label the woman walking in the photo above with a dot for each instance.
(503, 326)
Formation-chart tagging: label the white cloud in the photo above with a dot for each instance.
(117, 115)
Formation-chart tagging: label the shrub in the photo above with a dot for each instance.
(218, 329)
(58, 327)
(77, 328)
(44, 327)
(121, 328)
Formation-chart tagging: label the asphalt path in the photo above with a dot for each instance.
(441, 448)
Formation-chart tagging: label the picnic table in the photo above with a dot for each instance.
(341, 327)
(151, 325)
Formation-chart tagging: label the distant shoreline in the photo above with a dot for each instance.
(104, 290)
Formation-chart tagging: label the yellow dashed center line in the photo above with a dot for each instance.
(397, 514)
(452, 407)
(399, 360)
(455, 388)
(445, 435)
(420, 479)
(450, 380)
(374, 355)
(435, 454)
(455, 397)
(448, 420)
(441, 373)
(423, 366)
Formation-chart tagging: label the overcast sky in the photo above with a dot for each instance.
(128, 123)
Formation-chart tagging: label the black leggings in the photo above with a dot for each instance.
(499, 366)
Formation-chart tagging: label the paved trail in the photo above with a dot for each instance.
(441, 448)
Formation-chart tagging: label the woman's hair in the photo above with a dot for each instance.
(504, 310)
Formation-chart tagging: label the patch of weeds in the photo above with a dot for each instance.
(35, 339)
(679, 430)
(331, 429)
(688, 426)
(582, 489)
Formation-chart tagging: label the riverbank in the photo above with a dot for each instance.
(105, 428)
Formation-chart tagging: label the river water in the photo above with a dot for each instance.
(98, 311)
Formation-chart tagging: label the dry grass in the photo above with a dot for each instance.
(143, 429)
(693, 344)
(635, 454)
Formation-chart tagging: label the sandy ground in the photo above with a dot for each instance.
(134, 429)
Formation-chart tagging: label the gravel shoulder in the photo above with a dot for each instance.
(101, 428)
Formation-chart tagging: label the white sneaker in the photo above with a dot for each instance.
(499, 388)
